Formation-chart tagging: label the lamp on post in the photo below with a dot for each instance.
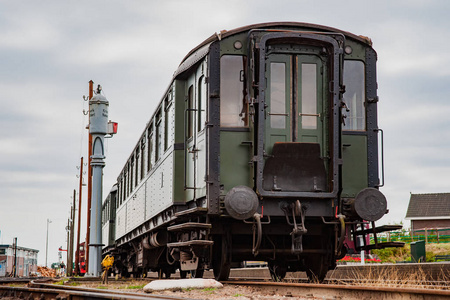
(46, 243)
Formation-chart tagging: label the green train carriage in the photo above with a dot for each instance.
(264, 147)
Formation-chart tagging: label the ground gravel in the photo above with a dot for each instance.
(229, 291)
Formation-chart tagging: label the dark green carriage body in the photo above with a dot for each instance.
(265, 147)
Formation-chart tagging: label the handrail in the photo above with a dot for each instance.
(382, 156)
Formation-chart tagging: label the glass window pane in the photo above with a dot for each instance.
(190, 113)
(278, 95)
(354, 95)
(201, 103)
(231, 91)
(309, 95)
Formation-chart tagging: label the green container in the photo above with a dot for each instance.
(418, 253)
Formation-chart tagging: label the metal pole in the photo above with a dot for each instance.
(68, 243)
(77, 251)
(89, 199)
(15, 258)
(98, 111)
(46, 243)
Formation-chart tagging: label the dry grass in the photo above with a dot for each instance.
(392, 277)
(438, 249)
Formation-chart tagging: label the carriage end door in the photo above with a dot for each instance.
(294, 143)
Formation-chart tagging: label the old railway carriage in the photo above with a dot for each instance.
(264, 147)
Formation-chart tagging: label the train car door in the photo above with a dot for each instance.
(195, 151)
(296, 104)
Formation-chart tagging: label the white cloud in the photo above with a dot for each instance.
(133, 48)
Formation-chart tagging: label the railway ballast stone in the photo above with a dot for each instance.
(198, 283)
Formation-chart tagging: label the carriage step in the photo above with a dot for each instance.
(379, 229)
(381, 246)
(190, 243)
(189, 226)
(194, 210)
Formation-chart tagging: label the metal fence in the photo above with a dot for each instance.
(429, 235)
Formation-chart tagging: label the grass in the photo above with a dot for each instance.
(74, 283)
(390, 277)
(135, 287)
(61, 282)
(392, 255)
(102, 287)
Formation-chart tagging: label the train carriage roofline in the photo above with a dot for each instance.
(273, 25)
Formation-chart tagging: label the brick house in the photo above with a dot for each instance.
(26, 260)
(429, 211)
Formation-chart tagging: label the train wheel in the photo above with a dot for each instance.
(197, 273)
(277, 270)
(183, 274)
(316, 268)
(222, 258)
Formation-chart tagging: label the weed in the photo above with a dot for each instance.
(135, 287)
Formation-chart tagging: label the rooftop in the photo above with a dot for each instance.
(429, 205)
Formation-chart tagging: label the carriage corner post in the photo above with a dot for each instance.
(98, 128)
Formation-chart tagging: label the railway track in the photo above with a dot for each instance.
(40, 289)
(254, 283)
(47, 290)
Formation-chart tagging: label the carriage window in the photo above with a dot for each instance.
(278, 95)
(354, 95)
(309, 96)
(166, 122)
(190, 112)
(143, 156)
(231, 91)
(131, 174)
(137, 167)
(150, 147)
(158, 135)
(201, 108)
(127, 183)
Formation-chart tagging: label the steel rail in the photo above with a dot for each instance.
(347, 291)
(41, 290)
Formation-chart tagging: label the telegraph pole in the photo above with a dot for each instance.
(77, 251)
(72, 229)
(15, 258)
(86, 246)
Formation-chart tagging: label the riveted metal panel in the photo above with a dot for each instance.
(105, 235)
(136, 208)
(372, 124)
(213, 130)
(121, 228)
(160, 188)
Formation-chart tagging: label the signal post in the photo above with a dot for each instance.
(98, 128)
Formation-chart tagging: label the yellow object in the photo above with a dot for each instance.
(108, 262)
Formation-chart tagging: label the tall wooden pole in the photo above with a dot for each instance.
(77, 251)
(72, 223)
(68, 246)
(91, 94)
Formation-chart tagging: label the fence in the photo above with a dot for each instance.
(429, 235)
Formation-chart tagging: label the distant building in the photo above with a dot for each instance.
(429, 211)
(26, 260)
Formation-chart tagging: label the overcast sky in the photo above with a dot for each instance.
(49, 50)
